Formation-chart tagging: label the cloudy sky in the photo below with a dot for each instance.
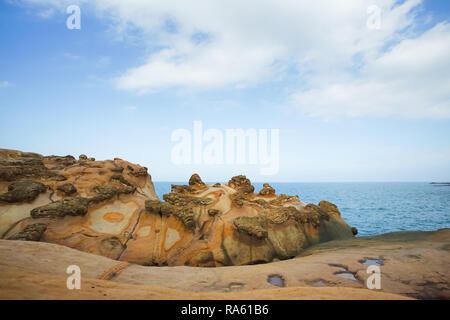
(359, 90)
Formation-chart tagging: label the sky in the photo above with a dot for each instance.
(358, 90)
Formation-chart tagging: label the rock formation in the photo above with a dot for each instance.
(412, 264)
(110, 208)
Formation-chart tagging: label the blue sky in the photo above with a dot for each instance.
(351, 103)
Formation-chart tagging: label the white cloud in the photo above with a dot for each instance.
(343, 66)
(47, 13)
(411, 80)
(4, 84)
(251, 42)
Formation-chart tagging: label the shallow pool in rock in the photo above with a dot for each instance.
(371, 262)
(319, 283)
(275, 280)
(346, 275)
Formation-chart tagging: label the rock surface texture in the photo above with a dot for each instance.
(412, 265)
(110, 208)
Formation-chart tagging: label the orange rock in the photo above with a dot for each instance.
(110, 208)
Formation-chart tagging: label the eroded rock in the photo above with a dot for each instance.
(195, 180)
(31, 232)
(107, 192)
(67, 188)
(23, 191)
(181, 200)
(117, 214)
(253, 226)
(140, 172)
(213, 212)
(59, 209)
(267, 190)
(242, 184)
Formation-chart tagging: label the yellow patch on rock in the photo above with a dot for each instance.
(106, 219)
(172, 237)
(144, 231)
(113, 217)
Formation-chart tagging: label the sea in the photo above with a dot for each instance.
(372, 207)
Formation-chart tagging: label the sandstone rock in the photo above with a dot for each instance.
(182, 189)
(253, 226)
(23, 191)
(15, 165)
(153, 206)
(25, 274)
(186, 216)
(140, 172)
(196, 180)
(121, 179)
(58, 162)
(32, 232)
(107, 192)
(117, 214)
(67, 188)
(181, 200)
(242, 184)
(117, 169)
(329, 207)
(213, 212)
(267, 190)
(59, 209)
(82, 157)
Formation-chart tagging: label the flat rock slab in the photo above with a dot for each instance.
(414, 265)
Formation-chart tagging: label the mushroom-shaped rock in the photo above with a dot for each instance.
(195, 180)
(82, 157)
(242, 184)
(267, 190)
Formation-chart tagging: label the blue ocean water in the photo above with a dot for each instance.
(373, 207)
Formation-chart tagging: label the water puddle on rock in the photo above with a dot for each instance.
(275, 280)
(319, 283)
(344, 273)
(372, 262)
